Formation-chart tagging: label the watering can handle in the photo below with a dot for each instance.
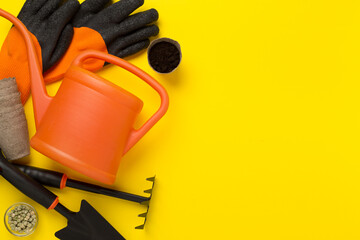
(135, 135)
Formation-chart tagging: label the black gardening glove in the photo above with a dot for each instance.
(107, 28)
(124, 35)
(49, 21)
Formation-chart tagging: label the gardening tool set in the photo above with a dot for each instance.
(89, 124)
(60, 180)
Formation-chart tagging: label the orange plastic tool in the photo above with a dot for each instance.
(88, 125)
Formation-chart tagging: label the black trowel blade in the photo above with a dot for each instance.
(88, 224)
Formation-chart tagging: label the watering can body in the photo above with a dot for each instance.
(88, 125)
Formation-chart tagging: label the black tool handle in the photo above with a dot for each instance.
(105, 191)
(43, 176)
(54, 179)
(26, 184)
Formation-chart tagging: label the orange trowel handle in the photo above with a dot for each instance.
(135, 135)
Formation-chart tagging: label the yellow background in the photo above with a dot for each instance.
(261, 140)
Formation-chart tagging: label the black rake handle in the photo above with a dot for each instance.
(57, 180)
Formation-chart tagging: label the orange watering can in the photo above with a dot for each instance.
(88, 125)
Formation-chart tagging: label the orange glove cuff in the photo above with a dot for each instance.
(84, 39)
(14, 61)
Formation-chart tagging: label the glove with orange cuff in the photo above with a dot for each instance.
(109, 29)
(48, 23)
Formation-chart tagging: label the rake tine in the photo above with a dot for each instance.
(151, 179)
(143, 214)
(141, 227)
(148, 191)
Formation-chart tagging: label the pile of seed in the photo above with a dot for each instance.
(22, 219)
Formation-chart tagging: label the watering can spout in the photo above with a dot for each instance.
(41, 99)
